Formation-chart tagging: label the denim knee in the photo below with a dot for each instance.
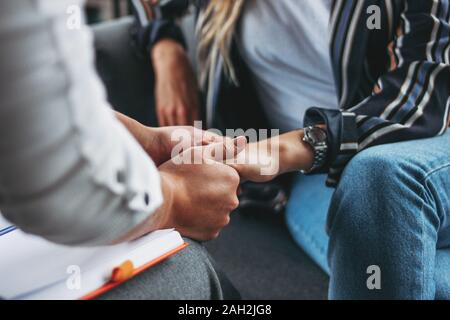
(387, 212)
(372, 185)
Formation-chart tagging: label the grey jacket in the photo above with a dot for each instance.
(69, 171)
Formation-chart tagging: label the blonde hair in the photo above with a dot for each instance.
(215, 31)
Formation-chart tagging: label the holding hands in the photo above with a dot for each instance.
(265, 160)
(201, 172)
(201, 191)
(177, 105)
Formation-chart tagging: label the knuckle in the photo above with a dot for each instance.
(234, 203)
(234, 177)
(181, 110)
(228, 150)
(210, 235)
(226, 220)
(165, 106)
(166, 110)
(231, 205)
(214, 235)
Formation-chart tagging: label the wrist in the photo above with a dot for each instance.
(154, 145)
(159, 219)
(295, 154)
(165, 51)
(164, 215)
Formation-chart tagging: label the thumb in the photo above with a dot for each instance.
(233, 147)
(227, 149)
(240, 143)
(240, 169)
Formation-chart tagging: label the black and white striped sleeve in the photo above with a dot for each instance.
(413, 97)
(157, 21)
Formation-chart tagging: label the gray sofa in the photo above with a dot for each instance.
(256, 250)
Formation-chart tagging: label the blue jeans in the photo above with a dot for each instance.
(390, 210)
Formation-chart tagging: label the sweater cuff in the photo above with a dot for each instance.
(341, 139)
(164, 29)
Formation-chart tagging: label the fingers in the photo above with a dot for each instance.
(212, 193)
(199, 235)
(241, 144)
(181, 116)
(209, 232)
(176, 109)
(169, 116)
(210, 137)
(233, 147)
(225, 150)
(174, 116)
(241, 170)
(195, 114)
(234, 181)
(161, 115)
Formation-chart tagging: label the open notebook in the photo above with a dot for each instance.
(33, 268)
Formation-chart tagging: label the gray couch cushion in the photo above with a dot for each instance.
(126, 72)
(263, 262)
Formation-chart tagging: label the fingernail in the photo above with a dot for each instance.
(240, 141)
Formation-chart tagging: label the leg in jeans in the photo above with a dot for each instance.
(392, 210)
(442, 274)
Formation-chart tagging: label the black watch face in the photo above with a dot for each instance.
(318, 135)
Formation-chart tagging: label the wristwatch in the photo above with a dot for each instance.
(317, 138)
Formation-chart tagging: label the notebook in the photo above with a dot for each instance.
(33, 268)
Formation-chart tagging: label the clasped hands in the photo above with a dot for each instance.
(203, 180)
(204, 192)
(200, 182)
(201, 173)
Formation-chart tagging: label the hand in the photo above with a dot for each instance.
(259, 162)
(198, 199)
(201, 197)
(265, 160)
(162, 143)
(176, 88)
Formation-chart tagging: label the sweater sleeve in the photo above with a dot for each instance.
(160, 21)
(69, 170)
(412, 99)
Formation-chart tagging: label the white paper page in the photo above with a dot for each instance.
(95, 279)
(5, 226)
(29, 263)
(4, 223)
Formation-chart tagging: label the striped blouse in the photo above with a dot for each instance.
(393, 82)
